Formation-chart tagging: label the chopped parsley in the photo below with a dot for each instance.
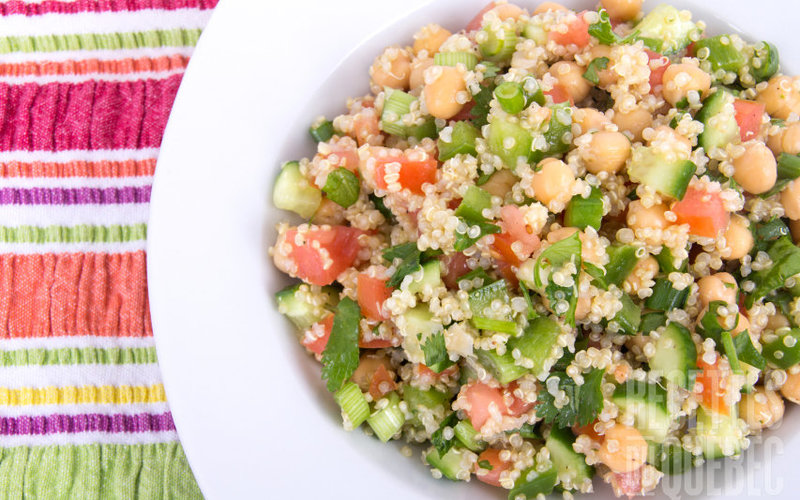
(464, 240)
(557, 255)
(340, 358)
(485, 465)
(410, 257)
(592, 71)
(604, 32)
(442, 444)
(435, 352)
(342, 187)
(585, 401)
(480, 111)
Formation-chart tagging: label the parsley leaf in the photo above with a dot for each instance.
(485, 464)
(747, 352)
(435, 352)
(410, 256)
(604, 32)
(464, 241)
(340, 358)
(342, 187)
(437, 438)
(492, 70)
(594, 67)
(585, 401)
(480, 111)
(558, 254)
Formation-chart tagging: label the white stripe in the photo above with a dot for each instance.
(105, 55)
(38, 248)
(106, 77)
(79, 155)
(74, 215)
(88, 438)
(77, 409)
(74, 182)
(15, 377)
(104, 22)
(14, 344)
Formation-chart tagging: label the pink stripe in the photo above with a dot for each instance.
(88, 115)
(73, 7)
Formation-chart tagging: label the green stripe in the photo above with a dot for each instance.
(79, 356)
(73, 234)
(178, 37)
(97, 471)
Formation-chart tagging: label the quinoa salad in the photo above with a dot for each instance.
(555, 245)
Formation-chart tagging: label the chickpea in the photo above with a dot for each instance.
(790, 199)
(761, 409)
(756, 170)
(500, 183)
(607, 152)
(548, 7)
(641, 217)
(680, 79)
(738, 238)
(776, 321)
(443, 84)
(742, 325)
(780, 97)
(391, 69)
(507, 11)
(583, 307)
(418, 66)
(642, 275)
(790, 139)
(634, 122)
(589, 119)
(553, 182)
(720, 286)
(561, 233)
(623, 10)
(623, 449)
(429, 38)
(606, 77)
(791, 388)
(794, 228)
(570, 76)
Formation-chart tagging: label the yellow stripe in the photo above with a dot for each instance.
(88, 394)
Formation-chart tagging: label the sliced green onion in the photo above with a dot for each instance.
(534, 484)
(665, 298)
(511, 97)
(768, 61)
(584, 212)
(468, 59)
(622, 260)
(652, 321)
(788, 166)
(462, 141)
(730, 351)
(388, 421)
(468, 436)
(322, 131)
(353, 404)
(509, 141)
(503, 368)
(397, 105)
(629, 318)
(499, 45)
(533, 91)
(495, 325)
(666, 262)
(342, 187)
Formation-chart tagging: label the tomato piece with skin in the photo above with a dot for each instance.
(502, 245)
(711, 383)
(477, 21)
(577, 33)
(749, 115)
(559, 94)
(518, 405)
(704, 212)
(480, 396)
(382, 383)
(514, 224)
(339, 242)
(506, 270)
(345, 151)
(465, 113)
(317, 346)
(657, 73)
(455, 266)
(376, 343)
(372, 293)
(412, 175)
(498, 466)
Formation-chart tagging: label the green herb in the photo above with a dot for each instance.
(322, 132)
(381, 207)
(442, 444)
(766, 233)
(682, 104)
(484, 464)
(665, 297)
(730, 352)
(785, 258)
(596, 272)
(604, 32)
(709, 326)
(558, 254)
(409, 254)
(491, 71)
(747, 352)
(528, 431)
(340, 358)
(480, 111)
(585, 401)
(531, 314)
(598, 64)
(342, 187)
(435, 352)
(464, 241)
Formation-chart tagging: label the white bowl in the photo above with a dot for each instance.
(254, 418)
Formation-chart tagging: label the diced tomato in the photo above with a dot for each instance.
(518, 405)
(507, 272)
(376, 343)
(317, 346)
(491, 455)
(657, 73)
(515, 225)
(366, 129)
(712, 380)
(588, 429)
(628, 483)
(341, 244)
(465, 113)
(559, 94)
(690, 49)
(479, 396)
(382, 383)
(425, 372)
(704, 212)
(502, 245)
(455, 266)
(372, 293)
(577, 33)
(749, 115)
(477, 21)
(413, 173)
(345, 150)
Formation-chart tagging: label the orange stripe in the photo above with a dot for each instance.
(127, 168)
(87, 66)
(74, 294)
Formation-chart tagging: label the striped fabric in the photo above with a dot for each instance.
(86, 87)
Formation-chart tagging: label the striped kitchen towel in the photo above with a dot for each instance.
(86, 87)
